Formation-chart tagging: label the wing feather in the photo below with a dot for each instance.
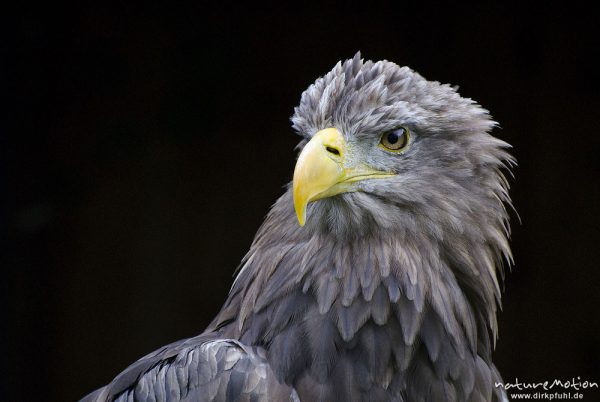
(204, 370)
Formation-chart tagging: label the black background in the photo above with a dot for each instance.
(143, 147)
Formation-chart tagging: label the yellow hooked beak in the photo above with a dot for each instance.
(322, 171)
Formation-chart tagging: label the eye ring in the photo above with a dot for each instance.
(395, 140)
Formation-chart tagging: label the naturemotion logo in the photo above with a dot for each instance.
(556, 389)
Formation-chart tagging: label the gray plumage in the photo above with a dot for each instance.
(388, 293)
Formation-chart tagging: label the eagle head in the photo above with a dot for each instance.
(384, 149)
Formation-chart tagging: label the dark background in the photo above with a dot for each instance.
(143, 147)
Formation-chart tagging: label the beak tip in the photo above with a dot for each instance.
(299, 205)
(301, 215)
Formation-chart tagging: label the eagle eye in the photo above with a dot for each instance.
(395, 140)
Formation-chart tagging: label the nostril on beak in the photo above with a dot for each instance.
(332, 150)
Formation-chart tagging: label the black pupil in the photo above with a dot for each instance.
(393, 137)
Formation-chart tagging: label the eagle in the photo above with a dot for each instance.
(377, 275)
